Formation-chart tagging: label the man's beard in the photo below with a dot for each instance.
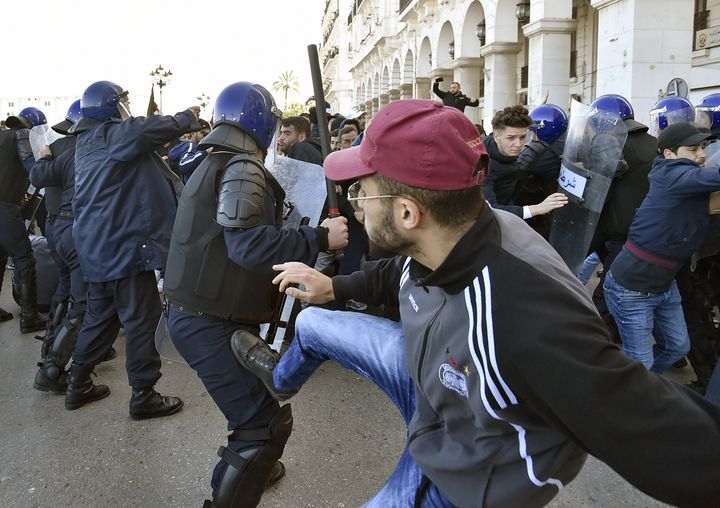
(386, 241)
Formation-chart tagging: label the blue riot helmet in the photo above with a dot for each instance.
(71, 117)
(34, 116)
(27, 118)
(104, 100)
(707, 113)
(615, 104)
(249, 107)
(549, 122)
(668, 111)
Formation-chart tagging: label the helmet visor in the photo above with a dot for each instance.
(124, 105)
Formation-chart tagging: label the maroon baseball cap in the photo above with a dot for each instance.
(417, 142)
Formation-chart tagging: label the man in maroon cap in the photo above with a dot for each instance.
(501, 367)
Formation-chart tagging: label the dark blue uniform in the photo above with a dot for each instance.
(124, 207)
(45, 173)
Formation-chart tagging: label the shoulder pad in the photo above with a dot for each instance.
(241, 195)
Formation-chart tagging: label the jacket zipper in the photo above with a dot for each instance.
(424, 344)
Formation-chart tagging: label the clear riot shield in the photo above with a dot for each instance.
(40, 136)
(305, 194)
(593, 148)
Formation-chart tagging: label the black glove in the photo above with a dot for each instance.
(529, 154)
(439, 79)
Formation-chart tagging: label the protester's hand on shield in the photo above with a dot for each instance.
(316, 287)
(337, 232)
(549, 204)
(45, 151)
(195, 110)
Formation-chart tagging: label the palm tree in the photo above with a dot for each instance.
(286, 82)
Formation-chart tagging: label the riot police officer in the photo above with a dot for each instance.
(219, 282)
(670, 110)
(16, 160)
(707, 113)
(125, 202)
(43, 176)
(627, 191)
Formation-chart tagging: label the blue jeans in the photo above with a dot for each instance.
(637, 313)
(713, 389)
(588, 267)
(375, 349)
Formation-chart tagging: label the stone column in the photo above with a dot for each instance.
(500, 77)
(642, 45)
(375, 107)
(383, 99)
(423, 88)
(468, 72)
(369, 111)
(406, 91)
(549, 60)
(394, 94)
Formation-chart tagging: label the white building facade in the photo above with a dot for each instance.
(508, 52)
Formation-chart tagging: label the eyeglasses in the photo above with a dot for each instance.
(357, 197)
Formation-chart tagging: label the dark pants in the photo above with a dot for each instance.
(133, 303)
(242, 398)
(67, 256)
(52, 224)
(14, 242)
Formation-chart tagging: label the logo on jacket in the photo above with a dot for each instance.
(412, 302)
(453, 379)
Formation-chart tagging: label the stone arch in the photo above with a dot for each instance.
(424, 63)
(385, 80)
(469, 45)
(447, 36)
(395, 78)
(407, 69)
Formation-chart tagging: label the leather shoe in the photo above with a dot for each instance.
(255, 355)
(147, 403)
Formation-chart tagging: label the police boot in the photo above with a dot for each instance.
(56, 384)
(256, 356)
(5, 315)
(81, 389)
(30, 319)
(147, 403)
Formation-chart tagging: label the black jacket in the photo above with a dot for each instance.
(500, 183)
(457, 101)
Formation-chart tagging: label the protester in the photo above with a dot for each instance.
(492, 420)
(454, 97)
(671, 223)
(295, 141)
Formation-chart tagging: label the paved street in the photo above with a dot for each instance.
(346, 442)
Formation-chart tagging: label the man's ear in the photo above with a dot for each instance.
(669, 154)
(410, 212)
(302, 137)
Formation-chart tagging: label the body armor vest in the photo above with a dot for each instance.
(200, 277)
(14, 179)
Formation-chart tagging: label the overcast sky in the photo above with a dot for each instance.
(59, 47)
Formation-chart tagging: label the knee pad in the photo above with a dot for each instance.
(243, 482)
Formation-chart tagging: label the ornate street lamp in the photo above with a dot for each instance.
(203, 100)
(480, 32)
(161, 77)
(522, 11)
